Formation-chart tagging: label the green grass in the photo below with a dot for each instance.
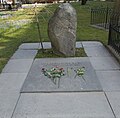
(11, 38)
(84, 29)
(49, 53)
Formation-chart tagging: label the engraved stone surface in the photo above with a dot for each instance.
(62, 30)
(36, 81)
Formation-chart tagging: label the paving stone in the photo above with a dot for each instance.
(18, 66)
(95, 51)
(104, 63)
(46, 45)
(114, 99)
(63, 105)
(24, 54)
(79, 44)
(29, 46)
(37, 82)
(10, 84)
(91, 43)
(110, 80)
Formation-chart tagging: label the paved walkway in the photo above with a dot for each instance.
(106, 104)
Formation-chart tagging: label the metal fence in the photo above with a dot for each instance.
(105, 18)
(101, 17)
(114, 32)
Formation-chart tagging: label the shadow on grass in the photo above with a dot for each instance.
(11, 38)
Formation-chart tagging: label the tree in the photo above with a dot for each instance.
(83, 2)
(13, 2)
(117, 6)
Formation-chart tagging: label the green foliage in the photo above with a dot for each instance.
(13, 36)
(49, 53)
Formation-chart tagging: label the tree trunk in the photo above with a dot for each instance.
(83, 2)
(117, 6)
(13, 2)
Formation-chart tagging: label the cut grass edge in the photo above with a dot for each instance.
(49, 53)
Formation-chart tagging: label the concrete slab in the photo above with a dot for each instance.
(18, 66)
(91, 43)
(37, 82)
(104, 63)
(79, 44)
(110, 80)
(24, 54)
(7, 104)
(63, 105)
(114, 99)
(10, 84)
(46, 45)
(95, 51)
(29, 46)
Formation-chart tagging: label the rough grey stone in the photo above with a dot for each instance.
(18, 66)
(104, 63)
(97, 51)
(10, 85)
(37, 82)
(63, 105)
(110, 80)
(24, 54)
(62, 30)
(114, 99)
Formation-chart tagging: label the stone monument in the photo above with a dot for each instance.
(62, 30)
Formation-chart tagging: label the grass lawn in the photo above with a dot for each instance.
(15, 33)
(49, 53)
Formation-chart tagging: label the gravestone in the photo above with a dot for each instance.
(62, 30)
(36, 81)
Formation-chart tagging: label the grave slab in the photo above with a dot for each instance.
(29, 46)
(114, 99)
(10, 85)
(18, 66)
(36, 81)
(63, 105)
(24, 54)
(91, 43)
(95, 51)
(110, 80)
(104, 63)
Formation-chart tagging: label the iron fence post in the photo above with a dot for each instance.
(106, 20)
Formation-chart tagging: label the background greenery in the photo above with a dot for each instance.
(12, 37)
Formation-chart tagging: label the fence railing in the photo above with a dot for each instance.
(105, 18)
(114, 32)
(101, 17)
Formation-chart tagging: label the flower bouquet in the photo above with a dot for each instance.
(80, 72)
(54, 73)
